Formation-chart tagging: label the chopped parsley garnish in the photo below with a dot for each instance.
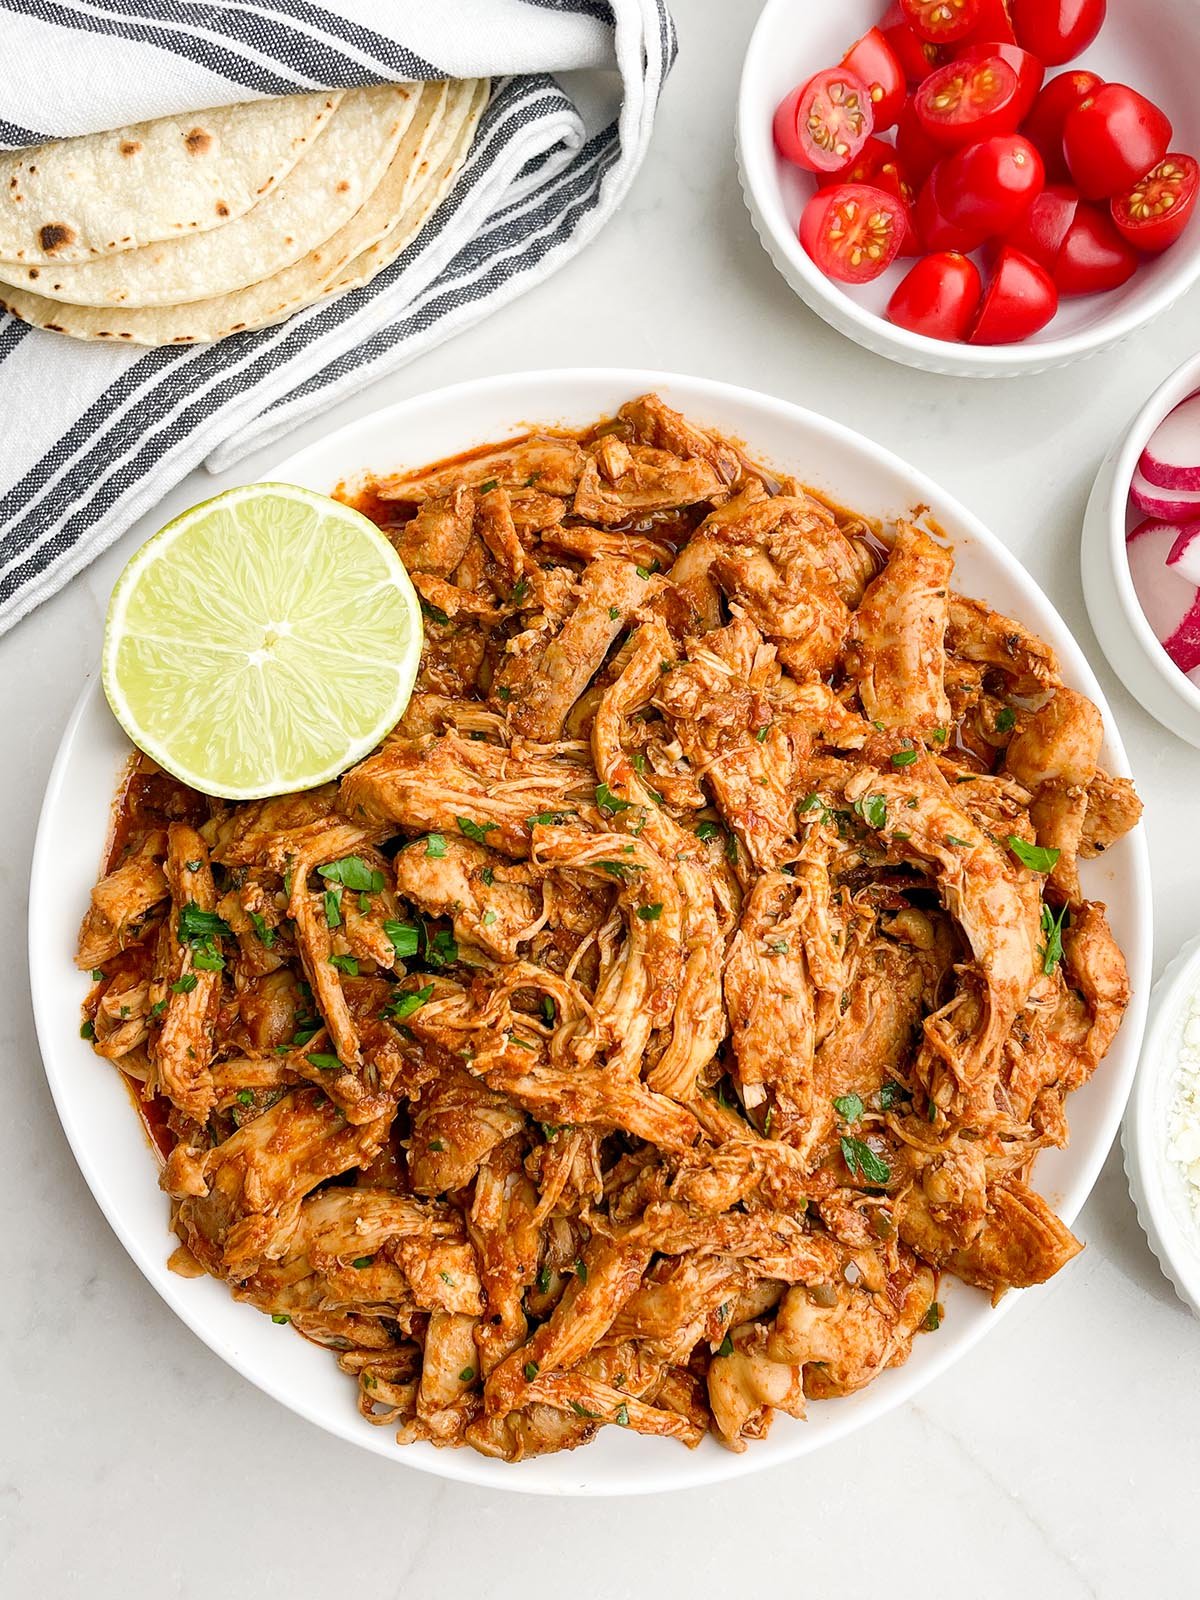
(545, 818)
(581, 1410)
(520, 590)
(474, 830)
(488, 918)
(405, 938)
(354, 873)
(549, 1009)
(650, 913)
(435, 845)
(618, 869)
(580, 1270)
(467, 1375)
(1006, 718)
(434, 613)
(97, 975)
(862, 1162)
(731, 850)
(621, 1415)
(543, 1280)
(362, 1261)
(333, 909)
(903, 758)
(965, 844)
(504, 692)
(486, 488)
(531, 1370)
(346, 964)
(849, 1107)
(613, 613)
(725, 1348)
(933, 1318)
(762, 733)
(198, 929)
(939, 736)
(279, 1316)
(642, 572)
(890, 1095)
(406, 1004)
(193, 866)
(265, 933)
(185, 984)
(525, 1044)
(707, 830)
(442, 949)
(157, 1009)
(778, 947)
(87, 1030)
(872, 808)
(244, 1097)
(324, 1062)
(488, 876)
(1052, 950)
(608, 801)
(1037, 857)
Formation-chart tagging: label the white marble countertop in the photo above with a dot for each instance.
(1059, 1459)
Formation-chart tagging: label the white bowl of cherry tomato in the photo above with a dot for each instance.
(976, 187)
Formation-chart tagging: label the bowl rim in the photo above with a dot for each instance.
(695, 1469)
(1178, 1254)
(1182, 382)
(965, 359)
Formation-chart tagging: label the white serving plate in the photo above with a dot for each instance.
(795, 38)
(105, 1132)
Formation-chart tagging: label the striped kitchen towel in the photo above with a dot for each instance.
(91, 436)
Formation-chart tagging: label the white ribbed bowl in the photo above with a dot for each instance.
(795, 38)
(1125, 635)
(1155, 1182)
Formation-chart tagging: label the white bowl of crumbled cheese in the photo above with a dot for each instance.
(1161, 1135)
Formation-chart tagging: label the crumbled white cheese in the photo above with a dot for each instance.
(1183, 1121)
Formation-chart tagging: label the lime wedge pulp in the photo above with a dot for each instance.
(261, 642)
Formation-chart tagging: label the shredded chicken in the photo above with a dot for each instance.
(690, 978)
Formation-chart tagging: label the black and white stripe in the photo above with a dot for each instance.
(535, 186)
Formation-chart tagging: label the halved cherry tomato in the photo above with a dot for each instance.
(824, 123)
(986, 188)
(938, 296)
(941, 21)
(891, 178)
(864, 166)
(1044, 124)
(934, 228)
(966, 101)
(1112, 138)
(1029, 70)
(918, 153)
(1153, 214)
(874, 61)
(853, 232)
(1057, 30)
(917, 57)
(1020, 299)
(1093, 257)
(1041, 231)
(995, 24)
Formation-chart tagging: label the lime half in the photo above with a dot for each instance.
(261, 642)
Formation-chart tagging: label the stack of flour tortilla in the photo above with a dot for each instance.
(190, 228)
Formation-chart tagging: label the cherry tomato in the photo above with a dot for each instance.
(1112, 138)
(864, 166)
(941, 21)
(1020, 298)
(824, 123)
(916, 56)
(853, 232)
(938, 296)
(963, 102)
(986, 188)
(918, 153)
(890, 177)
(1093, 257)
(1057, 30)
(995, 24)
(873, 60)
(934, 228)
(1044, 124)
(1029, 70)
(1153, 214)
(1041, 231)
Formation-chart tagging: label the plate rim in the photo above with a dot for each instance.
(693, 1470)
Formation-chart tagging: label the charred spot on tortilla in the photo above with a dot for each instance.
(53, 235)
(222, 209)
(198, 142)
(130, 147)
